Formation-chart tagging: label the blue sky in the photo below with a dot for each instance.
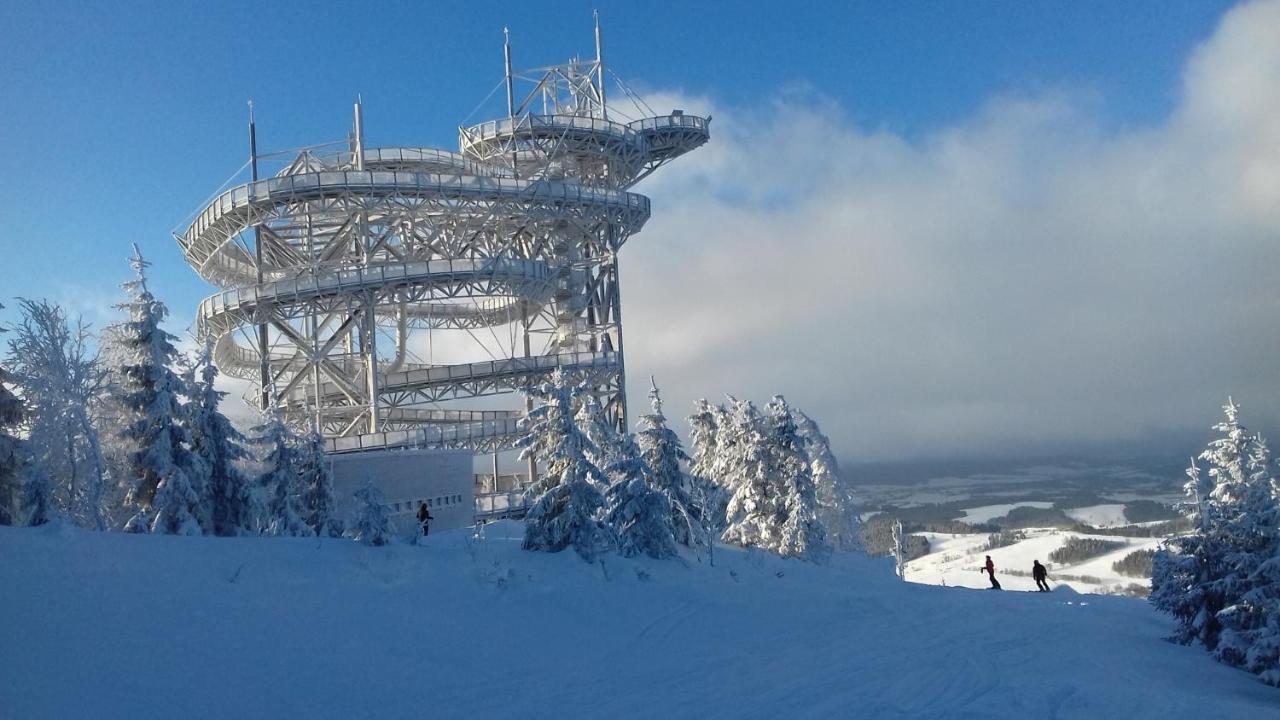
(959, 149)
(120, 118)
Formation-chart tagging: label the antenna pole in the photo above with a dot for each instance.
(511, 96)
(359, 113)
(264, 363)
(604, 109)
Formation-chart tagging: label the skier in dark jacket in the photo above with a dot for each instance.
(424, 518)
(1040, 574)
(990, 570)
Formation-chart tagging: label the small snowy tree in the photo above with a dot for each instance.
(218, 445)
(167, 478)
(371, 525)
(317, 488)
(899, 550)
(60, 379)
(567, 506)
(279, 486)
(662, 453)
(638, 511)
(836, 508)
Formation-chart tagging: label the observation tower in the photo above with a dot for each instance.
(405, 296)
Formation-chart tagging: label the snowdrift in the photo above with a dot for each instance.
(111, 625)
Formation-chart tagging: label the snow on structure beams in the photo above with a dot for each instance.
(341, 271)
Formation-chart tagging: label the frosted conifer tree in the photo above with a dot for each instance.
(317, 488)
(712, 493)
(218, 445)
(166, 476)
(1219, 582)
(60, 379)
(12, 451)
(661, 451)
(280, 483)
(567, 504)
(836, 508)
(639, 511)
(801, 534)
(607, 443)
(371, 525)
(753, 514)
(899, 550)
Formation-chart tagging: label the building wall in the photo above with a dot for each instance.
(441, 478)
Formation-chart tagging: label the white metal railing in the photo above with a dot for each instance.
(276, 189)
(501, 504)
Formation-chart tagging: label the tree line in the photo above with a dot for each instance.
(127, 433)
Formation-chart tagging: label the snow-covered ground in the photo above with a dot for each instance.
(956, 561)
(114, 626)
(1100, 516)
(987, 513)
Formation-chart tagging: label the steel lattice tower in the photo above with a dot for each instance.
(336, 269)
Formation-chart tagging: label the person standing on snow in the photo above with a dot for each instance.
(990, 569)
(1040, 573)
(424, 518)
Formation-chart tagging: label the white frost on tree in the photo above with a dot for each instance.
(661, 451)
(607, 443)
(638, 511)
(166, 476)
(836, 508)
(279, 486)
(713, 497)
(371, 525)
(1221, 582)
(218, 445)
(802, 534)
(741, 465)
(567, 503)
(60, 380)
(316, 479)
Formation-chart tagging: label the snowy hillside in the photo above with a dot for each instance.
(112, 625)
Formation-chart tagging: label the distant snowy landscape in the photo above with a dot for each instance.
(117, 625)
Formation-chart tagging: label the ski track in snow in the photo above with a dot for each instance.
(113, 625)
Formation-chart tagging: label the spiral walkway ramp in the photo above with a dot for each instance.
(394, 296)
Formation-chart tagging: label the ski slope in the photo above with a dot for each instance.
(956, 561)
(112, 626)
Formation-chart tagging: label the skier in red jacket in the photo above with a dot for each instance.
(990, 570)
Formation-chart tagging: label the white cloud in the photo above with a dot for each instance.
(1031, 278)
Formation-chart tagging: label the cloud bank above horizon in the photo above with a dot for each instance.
(1032, 279)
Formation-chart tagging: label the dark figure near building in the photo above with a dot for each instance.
(990, 570)
(424, 518)
(1039, 572)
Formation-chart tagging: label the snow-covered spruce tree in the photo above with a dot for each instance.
(371, 525)
(661, 451)
(802, 534)
(899, 550)
(316, 478)
(1211, 579)
(713, 495)
(218, 445)
(567, 505)
(12, 451)
(639, 512)
(279, 487)
(608, 445)
(60, 379)
(167, 478)
(1251, 585)
(752, 514)
(836, 508)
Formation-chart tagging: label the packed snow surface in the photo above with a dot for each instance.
(108, 625)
